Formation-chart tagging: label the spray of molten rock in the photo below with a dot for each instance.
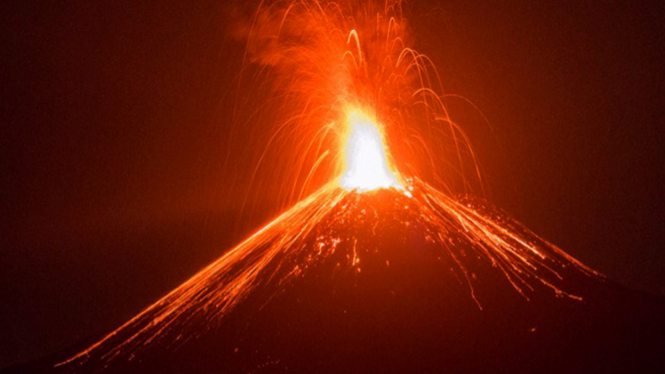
(339, 226)
(347, 223)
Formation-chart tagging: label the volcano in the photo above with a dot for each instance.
(376, 271)
(386, 281)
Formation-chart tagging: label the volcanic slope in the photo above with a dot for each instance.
(386, 281)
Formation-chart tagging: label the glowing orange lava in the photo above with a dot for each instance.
(365, 155)
(330, 59)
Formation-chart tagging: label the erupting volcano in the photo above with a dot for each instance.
(377, 270)
(366, 224)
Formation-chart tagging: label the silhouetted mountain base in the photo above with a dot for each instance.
(406, 308)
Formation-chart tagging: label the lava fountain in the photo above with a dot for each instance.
(366, 165)
(345, 69)
(324, 228)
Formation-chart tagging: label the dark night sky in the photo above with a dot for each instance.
(118, 174)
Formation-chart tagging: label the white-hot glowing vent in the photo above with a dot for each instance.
(366, 164)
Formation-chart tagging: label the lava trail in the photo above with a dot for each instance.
(313, 231)
(350, 86)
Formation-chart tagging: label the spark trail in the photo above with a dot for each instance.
(312, 231)
(348, 68)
